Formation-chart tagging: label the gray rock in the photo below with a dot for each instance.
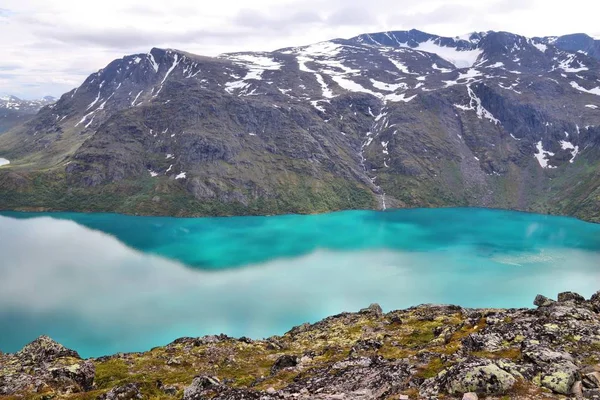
(544, 356)
(44, 350)
(82, 374)
(283, 362)
(373, 308)
(595, 301)
(542, 301)
(577, 390)
(199, 386)
(592, 380)
(560, 378)
(130, 391)
(476, 375)
(570, 296)
(470, 396)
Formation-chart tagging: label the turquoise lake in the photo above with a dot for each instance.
(106, 283)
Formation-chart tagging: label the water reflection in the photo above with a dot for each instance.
(93, 293)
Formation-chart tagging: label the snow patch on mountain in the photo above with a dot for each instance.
(388, 87)
(327, 93)
(475, 105)
(255, 64)
(540, 46)
(595, 90)
(542, 155)
(567, 64)
(458, 58)
(400, 66)
(153, 62)
(569, 146)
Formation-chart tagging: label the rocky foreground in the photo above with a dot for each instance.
(425, 352)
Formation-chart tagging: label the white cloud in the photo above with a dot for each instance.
(55, 45)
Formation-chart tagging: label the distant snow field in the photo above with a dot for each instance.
(4, 161)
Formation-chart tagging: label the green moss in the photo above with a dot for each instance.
(111, 373)
(430, 370)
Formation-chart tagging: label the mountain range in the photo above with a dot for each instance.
(14, 111)
(381, 120)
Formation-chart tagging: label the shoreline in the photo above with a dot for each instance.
(388, 210)
(423, 352)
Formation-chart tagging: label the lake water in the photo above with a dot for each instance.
(103, 283)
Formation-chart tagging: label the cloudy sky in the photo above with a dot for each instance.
(49, 47)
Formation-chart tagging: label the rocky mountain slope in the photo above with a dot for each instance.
(14, 111)
(392, 119)
(425, 352)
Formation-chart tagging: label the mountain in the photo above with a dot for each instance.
(390, 119)
(14, 111)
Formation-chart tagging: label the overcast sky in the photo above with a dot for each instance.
(50, 47)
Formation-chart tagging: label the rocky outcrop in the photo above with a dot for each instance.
(425, 352)
(45, 366)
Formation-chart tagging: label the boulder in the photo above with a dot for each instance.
(373, 309)
(595, 301)
(283, 362)
(570, 296)
(81, 374)
(542, 301)
(130, 391)
(560, 378)
(544, 356)
(470, 396)
(557, 370)
(476, 375)
(200, 385)
(592, 380)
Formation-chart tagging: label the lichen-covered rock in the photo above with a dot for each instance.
(199, 386)
(542, 301)
(557, 370)
(44, 350)
(560, 378)
(373, 308)
(570, 296)
(130, 391)
(360, 378)
(544, 356)
(82, 374)
(45, 366)
(480, 376)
